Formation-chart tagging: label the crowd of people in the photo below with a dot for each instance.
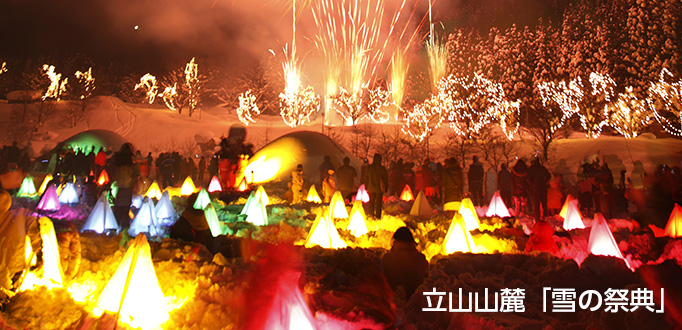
(529, 188)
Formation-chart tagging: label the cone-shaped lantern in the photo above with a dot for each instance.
(243, 186)
(458, 238)
(68, 195)
(337, 206)
(203, 199)
(145, 221)
(30, 257)
(262, 196)
(43, 186)
(468, 212)
(103, 178)
(362, 194)
(249, 203)
(289, 309)
(357, 225)
(153, 191)
(214, 185)
(674, 226)
(407, 195)
(573, 219)
(601, 241)
(28, 188)
(324, 234)
(188, 187)
(567, 203)
(136, 202)
(313, 196)
(165, 212)
(496, 208)
(212, 220)
(101, 218)
(50, 200)
(421, 206)
(52, 265)
(257, 214)
(134, 290)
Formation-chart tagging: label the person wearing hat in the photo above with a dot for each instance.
(404, 266)
(329, 186)
(297, 184)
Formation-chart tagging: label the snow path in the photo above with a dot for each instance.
(126, 127)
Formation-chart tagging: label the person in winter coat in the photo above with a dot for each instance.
(325, 167)
(504, 184)
(126, 173)
(520, 187)
(346, 175)
(376, 183)
(538, 177)
(452, 181)
(297, 184)
(541, 240)
(476, 181)
(555, 195)
(329, 186)
(404, 266)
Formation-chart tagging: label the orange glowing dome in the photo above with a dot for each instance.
(496, 208)
(421, 206)
(324, 233)
(407, 195)
(357, 225)
(153, 191)
(103, 178)
(567, 203)
(602, 242)
(573, 219)
(468, 212)
(134, 290)
(337, 206)
(214, 185)
(674, 226)
(313, 196)
(362, 194)
(188, 187)
(458, 238)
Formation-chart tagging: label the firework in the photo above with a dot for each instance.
(398, 78)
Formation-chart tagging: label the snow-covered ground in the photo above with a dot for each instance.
(344, 288)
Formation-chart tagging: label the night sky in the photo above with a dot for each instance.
(228, 32)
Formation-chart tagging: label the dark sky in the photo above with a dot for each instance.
(234, 33)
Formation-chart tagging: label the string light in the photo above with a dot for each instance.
(57, 85)
(148, 82)
(665, 101)
(423, 119)
(3, 67)
(169, 96)
(628, 115)
(87, 81)
(297, 107)
(192, 83)
(248, 109)
(353, 107)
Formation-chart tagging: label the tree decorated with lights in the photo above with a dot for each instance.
(150, 87)
(182, 89)
(473, 102)
(368, 103)
(665, 101)
(248, 108)
(296, 108)
(424, 119)
(628, 114)
(57, 86)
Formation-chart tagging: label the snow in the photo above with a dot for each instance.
(344, 288)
